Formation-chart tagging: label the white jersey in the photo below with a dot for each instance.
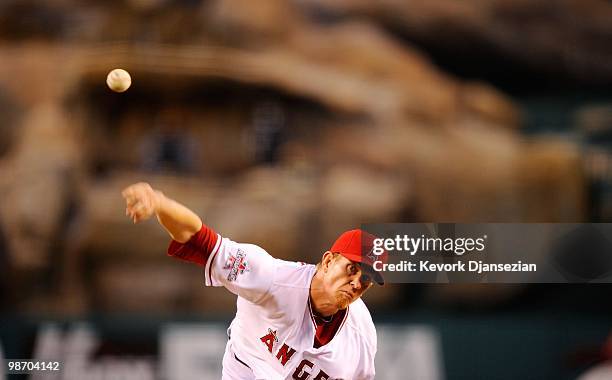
(272, 335)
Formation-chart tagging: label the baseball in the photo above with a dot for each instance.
(118, 80)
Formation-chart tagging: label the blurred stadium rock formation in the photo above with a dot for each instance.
(372, 131)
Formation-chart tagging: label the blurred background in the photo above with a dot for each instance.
(283, 123)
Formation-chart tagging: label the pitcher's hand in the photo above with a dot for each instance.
(141, 201)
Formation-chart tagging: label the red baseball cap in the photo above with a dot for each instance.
(358, 246)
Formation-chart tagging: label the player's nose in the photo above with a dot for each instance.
(356, 281)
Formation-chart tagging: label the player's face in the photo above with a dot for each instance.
(344, 281)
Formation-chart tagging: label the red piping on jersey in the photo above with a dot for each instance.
(344, 319)
(212, 259)
(311, 314)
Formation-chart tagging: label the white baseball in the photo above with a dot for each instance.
(118, 80)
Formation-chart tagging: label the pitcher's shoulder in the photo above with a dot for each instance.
(293, 274)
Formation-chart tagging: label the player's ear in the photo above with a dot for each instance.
(326, 260)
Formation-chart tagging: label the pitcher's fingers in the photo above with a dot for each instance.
(132, 202)
(132, 193)
(130, 199)
(137, 211)
(128, 191)
(140, 208)
(133, 210)
(139, 217)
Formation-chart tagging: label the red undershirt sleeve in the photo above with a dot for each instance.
(198, 249)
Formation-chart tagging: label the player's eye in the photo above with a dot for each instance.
(352, 269)
(366, 279)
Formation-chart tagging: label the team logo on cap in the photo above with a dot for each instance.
(371, 255)
(237, 265)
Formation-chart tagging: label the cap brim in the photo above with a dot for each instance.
(378, 277)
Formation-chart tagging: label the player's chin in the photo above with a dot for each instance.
(342, 301)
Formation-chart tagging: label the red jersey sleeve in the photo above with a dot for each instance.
(198, 249)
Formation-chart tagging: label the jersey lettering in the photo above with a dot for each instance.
(285, 353)
(299, 373)
(269, 339)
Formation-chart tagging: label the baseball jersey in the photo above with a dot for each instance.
(273, 333)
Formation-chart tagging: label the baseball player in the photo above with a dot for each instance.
(293, 320)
